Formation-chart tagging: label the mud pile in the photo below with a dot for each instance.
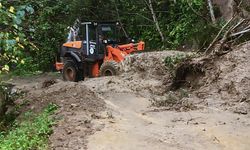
(223, 83)
(144, 74)
(77, 104)
(147, 65)
(227, 81)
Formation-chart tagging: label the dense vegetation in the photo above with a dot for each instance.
(32, 31)
(31, 133)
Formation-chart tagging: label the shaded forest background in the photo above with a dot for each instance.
(31, 31)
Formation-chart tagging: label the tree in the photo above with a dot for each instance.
(211, 10)
(35, 30)
(151, 8)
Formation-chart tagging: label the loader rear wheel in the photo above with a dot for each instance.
(71, 72)
(109, 68)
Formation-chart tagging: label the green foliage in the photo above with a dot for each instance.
(31, 32)
(31, 133)
(14, 43)
(49, 23)
(172, 61)
(11, 37)
(183, 22)
(29, 36)
(179, 21)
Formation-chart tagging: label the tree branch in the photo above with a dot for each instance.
(239, 33)
(217, 36)
(194, 11)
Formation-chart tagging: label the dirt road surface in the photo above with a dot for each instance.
(117, 113)
(135, 126)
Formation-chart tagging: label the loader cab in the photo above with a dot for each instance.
(95, 36)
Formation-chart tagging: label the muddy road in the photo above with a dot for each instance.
(120, 113)
(135, 126)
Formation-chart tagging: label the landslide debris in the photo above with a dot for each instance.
(146, 75)
(222, 83)
(141, 73)
(77, 104)
(228, 80)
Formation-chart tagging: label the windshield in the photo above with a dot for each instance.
(108, 32)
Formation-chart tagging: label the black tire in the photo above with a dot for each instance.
(71, 72)
(109, 68)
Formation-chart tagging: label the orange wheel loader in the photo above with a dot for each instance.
(94, 49)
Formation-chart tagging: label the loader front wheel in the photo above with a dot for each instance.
(71, 72)
(109, 68)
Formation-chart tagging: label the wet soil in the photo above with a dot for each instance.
(116, 113)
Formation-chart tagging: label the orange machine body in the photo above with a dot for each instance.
(59, 66)
(119, 52)
(113, 53)
(75, 44)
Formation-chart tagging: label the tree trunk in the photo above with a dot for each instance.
(150, 5)
(6, 99)
(119, 19)
(211, 9)
(3, 108)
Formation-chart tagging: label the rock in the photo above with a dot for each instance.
(241, 108)
(73, 105)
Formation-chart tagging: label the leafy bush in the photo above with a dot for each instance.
(172, 61)
(31, 133)
(29, 38)
(183, 22)
(14, 42)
